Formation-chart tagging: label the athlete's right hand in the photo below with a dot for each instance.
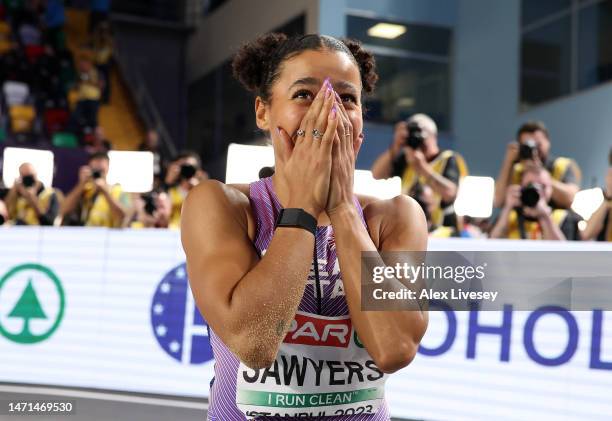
(305, 166)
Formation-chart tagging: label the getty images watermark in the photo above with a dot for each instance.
(485, 280)
(412, 273)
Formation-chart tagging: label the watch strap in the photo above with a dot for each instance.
(297, 218)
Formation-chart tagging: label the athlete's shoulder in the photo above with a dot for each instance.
(394, 217)
(217, 200)
(216, 192)
(395, 206)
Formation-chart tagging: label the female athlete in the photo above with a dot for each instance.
(289, 336)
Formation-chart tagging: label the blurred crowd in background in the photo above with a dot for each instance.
(534, 190)
(50, 95)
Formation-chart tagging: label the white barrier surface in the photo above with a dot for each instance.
(110, 309)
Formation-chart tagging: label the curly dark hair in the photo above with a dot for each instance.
(257, 64)
(532, 127)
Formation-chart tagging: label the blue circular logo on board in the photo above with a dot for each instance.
(177, 324)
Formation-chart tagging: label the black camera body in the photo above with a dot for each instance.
(530, 195)
(150, 206)
(528, 150)
(187, 171)
(415, 138)
(28, 181)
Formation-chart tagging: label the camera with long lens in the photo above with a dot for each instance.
(528, 150)
(187, 171)
(150, 206)
(28, 180)
(415, 138)
(530, 195)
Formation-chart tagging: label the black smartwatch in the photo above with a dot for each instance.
(298, 218)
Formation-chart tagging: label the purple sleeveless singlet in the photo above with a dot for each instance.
(321, 352)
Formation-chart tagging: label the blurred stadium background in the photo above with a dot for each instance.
(113, 324)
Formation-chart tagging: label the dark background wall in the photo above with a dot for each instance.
(156, 51)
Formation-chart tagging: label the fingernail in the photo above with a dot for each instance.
(333, 112)
(328, 93)
(326, 82)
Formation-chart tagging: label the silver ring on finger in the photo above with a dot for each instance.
(301, 132)
(317, 134)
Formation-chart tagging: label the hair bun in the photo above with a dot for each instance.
(250, 64)
(365, 61)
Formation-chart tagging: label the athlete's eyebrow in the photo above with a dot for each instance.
(306, 81)
(339, 85)
(343, 85)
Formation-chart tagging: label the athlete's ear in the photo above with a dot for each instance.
(358, 142)
(261, 114)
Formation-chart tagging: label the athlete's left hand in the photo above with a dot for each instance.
(346, 143)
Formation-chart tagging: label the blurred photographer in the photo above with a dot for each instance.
(415, 156)
(151, 144)
(3, 214)
(153, 210)
(93, 202)
(184, 173)
(599, 226)
(29, 202)
(533, 146)
(527, 215)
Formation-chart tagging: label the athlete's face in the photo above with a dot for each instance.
(299, 81)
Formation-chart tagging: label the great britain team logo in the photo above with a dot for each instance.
(177, 324)
(32, 303)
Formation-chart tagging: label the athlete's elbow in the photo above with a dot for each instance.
(258, 355)
(397, 358)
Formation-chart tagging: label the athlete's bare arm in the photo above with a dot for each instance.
(390, 337)
(398, 224)
(248, 302)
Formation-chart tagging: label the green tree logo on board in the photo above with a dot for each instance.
(31, 303)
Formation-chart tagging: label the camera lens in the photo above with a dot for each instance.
(530, 196)
(187, 171)
(28, 180)
(415, 137)
(150, 207)
(95, 174)
(528, 149)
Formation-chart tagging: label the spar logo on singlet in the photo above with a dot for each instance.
(317, 331)
(177, 324)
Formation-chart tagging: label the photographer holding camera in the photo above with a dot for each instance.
(153, 210)
(527, 215)
(92, 202)
(533, 146)
(415, 156)
(29, 202)
(599, 226)
(184, 173)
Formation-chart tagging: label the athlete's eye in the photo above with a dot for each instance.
(303, 94)
(350, 98)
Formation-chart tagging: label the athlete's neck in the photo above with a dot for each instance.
(282, 192)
